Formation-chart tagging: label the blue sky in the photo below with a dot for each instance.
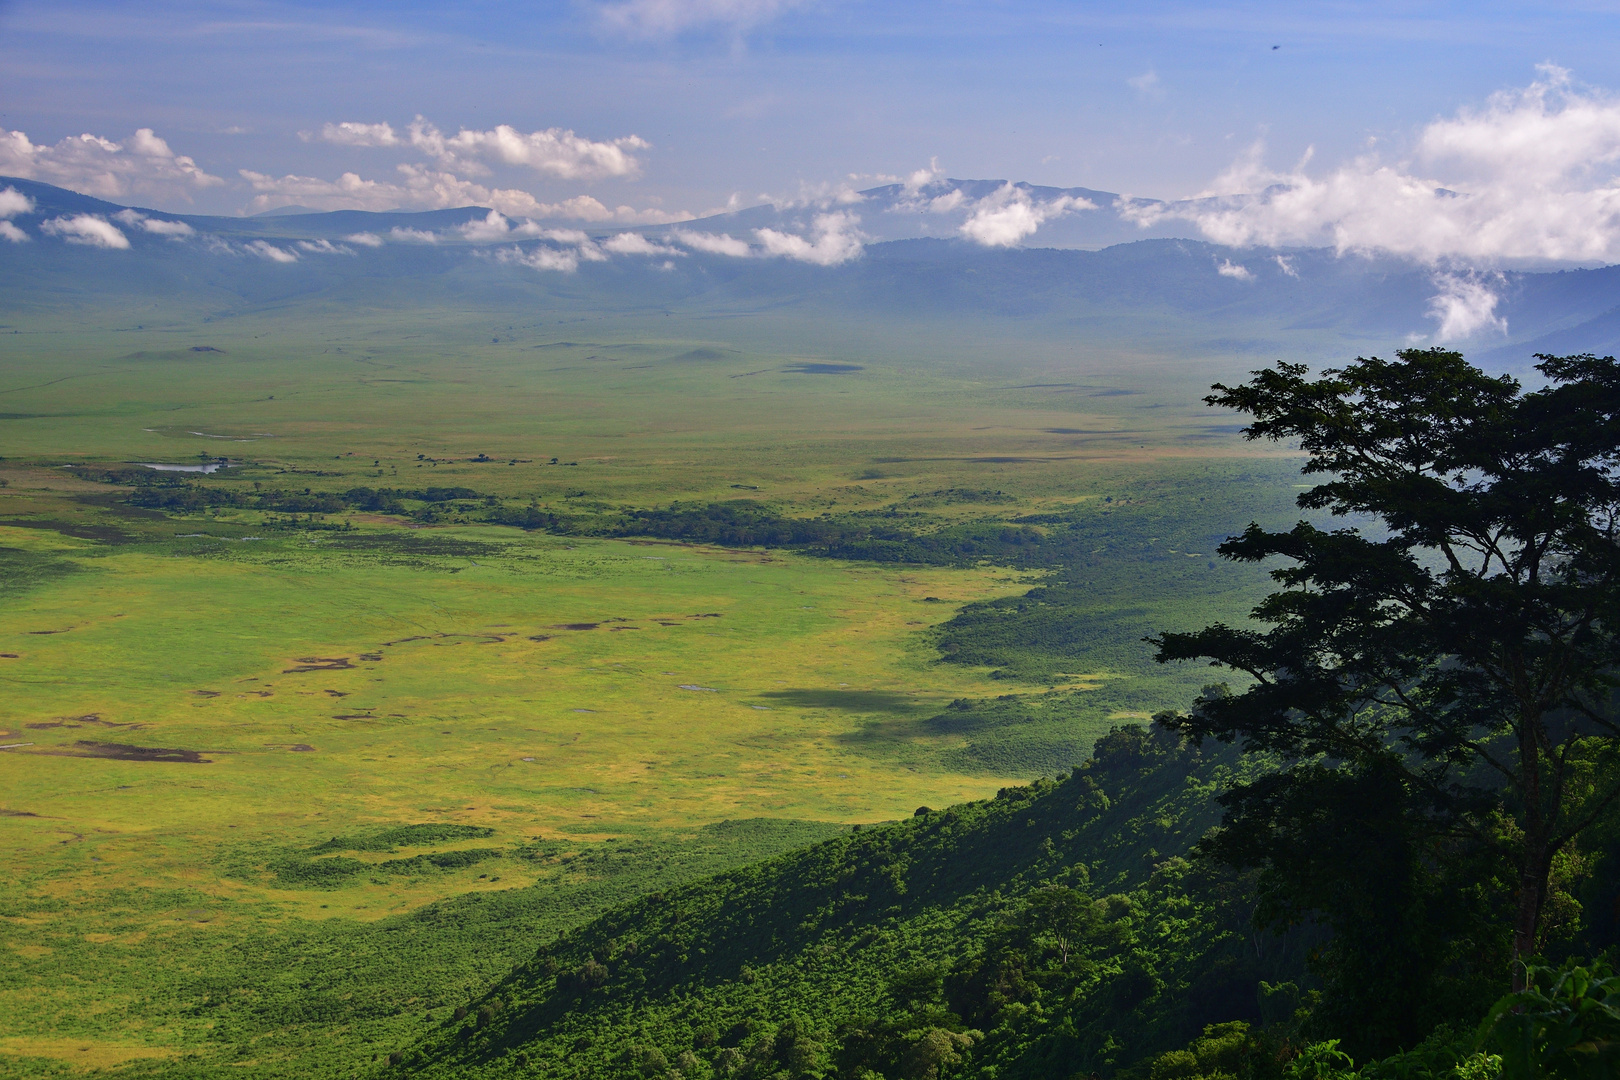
(715, 100)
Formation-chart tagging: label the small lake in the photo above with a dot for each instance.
(212, 466)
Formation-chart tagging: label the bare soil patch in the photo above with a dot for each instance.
(576, 626)
(77, 721)
(319, 663)
(86, 748)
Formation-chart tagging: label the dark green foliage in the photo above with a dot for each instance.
(1041, 933)
(1419, 920)
(1565, 1025)
(405, 836)
(1460, 664)
(22, 570)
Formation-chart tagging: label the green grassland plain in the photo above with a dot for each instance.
(557, 698)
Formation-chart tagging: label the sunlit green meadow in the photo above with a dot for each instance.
(192, 705)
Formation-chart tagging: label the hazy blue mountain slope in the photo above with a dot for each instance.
(1165, 295)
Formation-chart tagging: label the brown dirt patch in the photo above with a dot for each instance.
(87, 748)
(77, 721)
(576, 626)
(206, 693)
(319, 663)
(9, 656)
(541, 637)
(16, 813)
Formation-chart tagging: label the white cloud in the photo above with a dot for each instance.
(349, 133)
(365, 239)
(413, 236)
(630, 243)
(921, 178)
(324, 247)
(1009, 214)
(1535, 173)
(1286, 265)
(1228, 268)
(837, 239)
(711, 243)
(667, 18)
(492, 226)
(12, 233)
(14, 202)
(1146, 84)
(162, 227)
(156, 226)
(429, 189)
(265, 250)
(541, 258)
(98, 166)
(87, 229)
(553, 152)
(1465, 305)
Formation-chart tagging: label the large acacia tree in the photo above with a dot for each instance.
(1455, 645)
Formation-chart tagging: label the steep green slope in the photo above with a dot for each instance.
(1048, 932)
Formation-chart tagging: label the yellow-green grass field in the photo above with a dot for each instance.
(190, 705)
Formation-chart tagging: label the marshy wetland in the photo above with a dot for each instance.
(471, 642)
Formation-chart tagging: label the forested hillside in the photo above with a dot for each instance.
(1055, 929)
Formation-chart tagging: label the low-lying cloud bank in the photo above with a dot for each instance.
(1532, 175)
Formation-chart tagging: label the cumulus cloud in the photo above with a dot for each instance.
(553, 152)
(14, 202)
(541, 258)
(492, 226)
(712, 243)
(324, 247)
(1009, 214)
(365, 239)
(99, 166)
(349, 133)
(89, 229)
(1228, 268)
(630, 243)
(10, 232)
(1286, 265)
(1465, 305)
(921, 178)
(431, 189)
(667, 18)
(413, 236)
(834, 238)
(156, 226)
(265, 250)
(1533, 174)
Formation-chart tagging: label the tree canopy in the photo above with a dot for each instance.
(1437, 673)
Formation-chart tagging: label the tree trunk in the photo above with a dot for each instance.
(1531, 886)
(1534, 865)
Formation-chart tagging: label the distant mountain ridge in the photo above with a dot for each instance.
(1174, 295)
(890, 212)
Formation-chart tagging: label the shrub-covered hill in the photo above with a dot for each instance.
(1050, 932)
